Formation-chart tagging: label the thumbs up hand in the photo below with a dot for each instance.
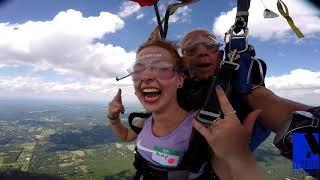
(115, 106)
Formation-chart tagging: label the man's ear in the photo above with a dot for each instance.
(221, 53)
(181, 78)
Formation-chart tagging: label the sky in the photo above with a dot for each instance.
(57, 49)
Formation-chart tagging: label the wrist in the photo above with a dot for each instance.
(113, 120)
(245, 164)
(241, 165)
(240, 159)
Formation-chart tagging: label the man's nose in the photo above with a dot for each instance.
(201, 50)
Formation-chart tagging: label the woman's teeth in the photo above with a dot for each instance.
(151, 94)
(150, 90)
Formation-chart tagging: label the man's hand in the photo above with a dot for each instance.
(115, 106)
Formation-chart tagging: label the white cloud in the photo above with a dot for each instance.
(181, 15)
(8, 66)
(305, 18)
(65, 44)
(300, 84)
(128, 8)
(140, 16)
(93, 88)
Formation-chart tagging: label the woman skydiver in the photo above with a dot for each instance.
(162, 145)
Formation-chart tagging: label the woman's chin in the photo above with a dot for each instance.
(151, 107)
(150, 103)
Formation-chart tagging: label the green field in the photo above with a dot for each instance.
(111, 160)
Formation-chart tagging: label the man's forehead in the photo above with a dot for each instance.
(197, 37)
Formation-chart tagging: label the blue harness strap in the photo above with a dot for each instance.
(258, 136)
(249, 75)
(251, 71)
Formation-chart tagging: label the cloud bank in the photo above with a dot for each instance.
(301, 85)
(66, 44)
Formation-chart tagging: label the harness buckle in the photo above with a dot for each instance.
(238, 41)
(238, 36)
(233, 56)
(207, 117)
(236, 65)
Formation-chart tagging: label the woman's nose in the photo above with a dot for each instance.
(147, 74)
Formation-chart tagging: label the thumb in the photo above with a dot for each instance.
(118, 96)
(248, 123)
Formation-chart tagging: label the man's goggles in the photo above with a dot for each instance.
(211, 44)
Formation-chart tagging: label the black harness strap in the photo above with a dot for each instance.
(171, 9)
(211, 107)
(133, 115)
(242, 15)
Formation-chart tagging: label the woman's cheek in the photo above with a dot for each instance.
(136, 87)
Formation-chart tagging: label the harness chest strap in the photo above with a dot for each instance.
(194, 160)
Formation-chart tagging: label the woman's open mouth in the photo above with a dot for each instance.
(151, 94)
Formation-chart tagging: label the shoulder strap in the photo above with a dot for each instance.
(258, 72)
(198, 156)
(242, 15)
(133, 115)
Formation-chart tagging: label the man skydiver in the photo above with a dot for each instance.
(200, 50)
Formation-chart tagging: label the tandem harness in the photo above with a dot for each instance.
(236, 69)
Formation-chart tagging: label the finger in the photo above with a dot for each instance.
(201, 129)
(218, 122)
(118, 93)
(122, 109)
(225, 105)
(248, 123)
(118, 96)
